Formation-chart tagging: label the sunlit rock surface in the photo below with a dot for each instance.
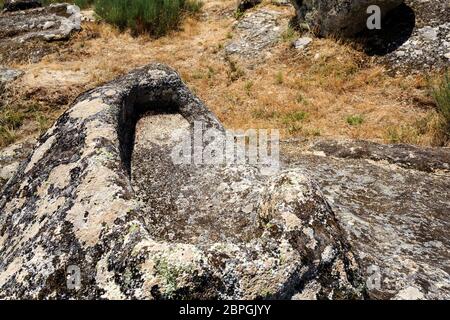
(25, 34)
(394, 203)
(99, 194)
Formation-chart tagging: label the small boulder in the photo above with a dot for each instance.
(302, 43)
(8, 75)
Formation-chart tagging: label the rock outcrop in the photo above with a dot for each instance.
(394, 202)
(101, 200)
(15, 5)
(25, 35)
(255, 33)
(338, 17)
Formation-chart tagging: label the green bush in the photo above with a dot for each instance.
(441, 95)
(355, 120)
(156, 17)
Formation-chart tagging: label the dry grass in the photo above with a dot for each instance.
(311, 94)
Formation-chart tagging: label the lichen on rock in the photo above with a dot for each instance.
(25, 34)
(82, 199)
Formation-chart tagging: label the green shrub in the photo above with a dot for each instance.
(156, 17)
(441, 95)
(355, 120)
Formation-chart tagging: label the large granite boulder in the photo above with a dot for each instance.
(338, 17)
(394, 202)
(15, 5)
(101, 210)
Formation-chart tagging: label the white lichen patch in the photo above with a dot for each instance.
(312, 243)
(291, 221)
(105, 280)
(157, 74)
(11, 270)
(410, 293)
(328, 254)
(40, 152)
(98, 204)
(96, 129)
(59, 178)
(88, 108)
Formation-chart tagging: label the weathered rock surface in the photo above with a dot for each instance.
(302, 43)
(15, 5)
(338, 17)
(256, 32)
(8, 75)
(24, 35)
(406, 156)
(395, 211)
(11, 157)
(136, 225)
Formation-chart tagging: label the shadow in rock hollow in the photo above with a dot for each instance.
(397, 27)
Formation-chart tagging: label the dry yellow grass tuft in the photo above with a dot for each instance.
(332, 90)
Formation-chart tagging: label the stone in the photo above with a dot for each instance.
(88, 15)
(338, 17)
(410, 293)
(15, 5)
(100, 197)
(27, 33)
(302, 43)
(425, 159)
(8, 75)
(393, 202)
(429, 34)
(255, 33)
(7, 172)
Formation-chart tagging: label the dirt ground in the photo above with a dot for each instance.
(330, 90)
